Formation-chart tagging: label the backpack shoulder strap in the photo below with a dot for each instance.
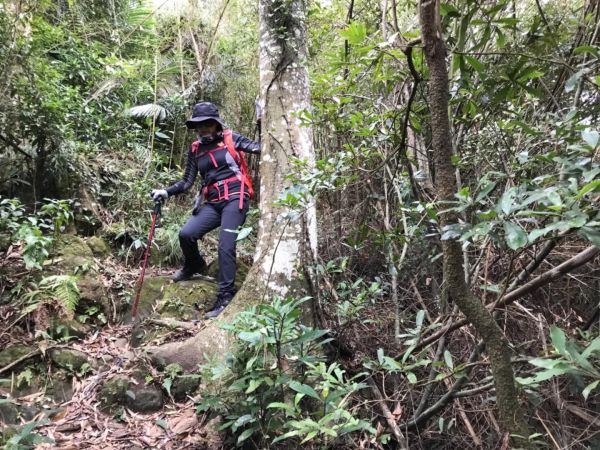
(195, 145)
(239, 159)
(228, 141)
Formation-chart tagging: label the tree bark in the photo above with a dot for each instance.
(497, 348)
(287, 240)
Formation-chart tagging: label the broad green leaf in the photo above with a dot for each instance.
(476, 64)
(591, 137)
(529, 74)
(304, 389)
(412, 378)
(541, 376)
(515, 236)
(507, 200)
(589, 388)
(573, 80)
(281, 405)
(591, 235)
(355, 33)
(592, 348)
(587, 49)
(591, 186)
(245, 435)
(487, 188)
(559, 339)
(448, 359)
(243, 234)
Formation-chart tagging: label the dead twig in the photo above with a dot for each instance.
(389, 417)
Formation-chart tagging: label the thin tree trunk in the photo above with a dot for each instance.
(509, 411)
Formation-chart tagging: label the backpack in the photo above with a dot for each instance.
(240, 160)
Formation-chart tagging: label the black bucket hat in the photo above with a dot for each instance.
(202, 112)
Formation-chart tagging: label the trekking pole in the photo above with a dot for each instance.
(155, 217)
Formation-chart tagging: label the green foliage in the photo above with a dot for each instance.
(349, 297)
(54, 216)
(569, 358)
(26, 438)
(171, 372)
(59, 290)
(274, 385)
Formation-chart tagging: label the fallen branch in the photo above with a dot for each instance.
(21, 359)
(389, 417)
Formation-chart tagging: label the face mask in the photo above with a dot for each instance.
(214, 137)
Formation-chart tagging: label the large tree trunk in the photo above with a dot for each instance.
(509, 411)
(286, 239)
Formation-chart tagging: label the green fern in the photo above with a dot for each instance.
(64, 289)
(55, 288)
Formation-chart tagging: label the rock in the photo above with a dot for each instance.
(71, 252)
(60, 387)
(179, 298)
(99, 246)
(9, 412)
(69, 359)
(145, 399)
(61, 327)
(171, 300)
(14, 352)
(183, 386)
(113, 393)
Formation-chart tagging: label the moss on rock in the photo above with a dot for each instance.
(71, 252)
(68, 359)
(99, 246)
(179, 298)
(113, 393)
(184, 385)
(61, 327)
(14, 352)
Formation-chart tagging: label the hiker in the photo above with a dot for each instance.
(222, 201)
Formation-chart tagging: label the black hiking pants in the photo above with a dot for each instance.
(226, 214)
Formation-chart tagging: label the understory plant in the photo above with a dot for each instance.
(275, 384)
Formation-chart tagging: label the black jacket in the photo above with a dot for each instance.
(214, 163)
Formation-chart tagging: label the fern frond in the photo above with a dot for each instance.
(63, 289)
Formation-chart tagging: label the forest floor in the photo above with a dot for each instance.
(80, 424)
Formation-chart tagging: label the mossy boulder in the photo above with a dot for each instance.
(9, 412)
(14, 352)
(99, 246)
(184, 385)
(61, 327)
(71, 252)
(179, 298)
(69, 359)
(60, 387)
(114, 393)
(139, 397)
(145, 398)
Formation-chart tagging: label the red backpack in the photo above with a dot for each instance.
(238, 157)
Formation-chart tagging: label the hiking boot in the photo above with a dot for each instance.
(220, 303)
(186, 272)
